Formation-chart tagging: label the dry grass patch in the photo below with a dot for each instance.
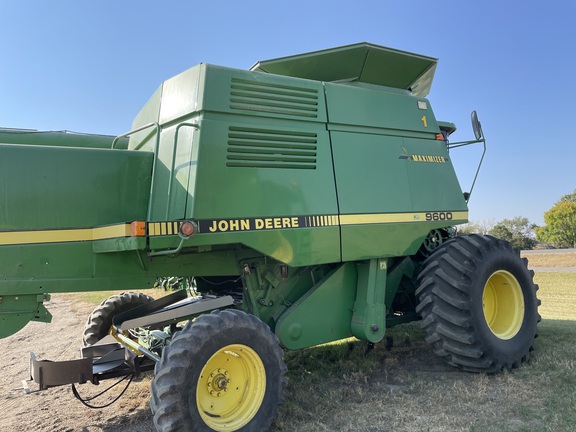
(556, 259)
(403, 386)
(558, 294)
(408, 388)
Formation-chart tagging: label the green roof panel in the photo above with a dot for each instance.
(362, 62)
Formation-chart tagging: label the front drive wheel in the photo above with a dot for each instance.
(222, 372)
(478, 304)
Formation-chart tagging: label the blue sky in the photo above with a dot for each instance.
(89, 66)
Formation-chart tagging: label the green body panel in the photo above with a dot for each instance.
(363, 62)
(67, 188)
(17, 311)
(175, 99)
(119, 244)
(369, 318)
(307, 306)
(242, 162)
(295, 247)
(388, 110)
(323, 313)
(360, 242)
(58, 138)
(384, 178)
(305, 178)
(32, 269)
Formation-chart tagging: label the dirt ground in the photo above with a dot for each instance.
(56, 409)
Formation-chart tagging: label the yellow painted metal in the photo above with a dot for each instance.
(231, 388)
(503, 304)
(64, 235)
(378, 218)
(114, 333)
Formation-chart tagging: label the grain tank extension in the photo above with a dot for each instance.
(309, 199)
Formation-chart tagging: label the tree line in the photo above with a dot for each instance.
(559, 230)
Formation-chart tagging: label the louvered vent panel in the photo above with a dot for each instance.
(263, 148)
(270, 98)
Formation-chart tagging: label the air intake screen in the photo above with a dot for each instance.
(263, 148)
(271, 98)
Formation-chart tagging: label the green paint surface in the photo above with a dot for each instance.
(267, 162)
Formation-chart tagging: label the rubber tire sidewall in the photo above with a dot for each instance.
(220, 341)
(106, 312)
(229, 335)
(507, 351)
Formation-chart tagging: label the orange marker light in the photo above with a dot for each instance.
(138, 229)
(187, 228)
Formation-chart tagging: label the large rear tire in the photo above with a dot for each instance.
(222, 372)
(99, 323)
(478, 304)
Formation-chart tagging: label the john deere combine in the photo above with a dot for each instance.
(309, 199)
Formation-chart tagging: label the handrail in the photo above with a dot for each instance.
(174, 147)
(146, 126)
(170, 181)
(154, 163)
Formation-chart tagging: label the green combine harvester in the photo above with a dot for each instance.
(309, 199)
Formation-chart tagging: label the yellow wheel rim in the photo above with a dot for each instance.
(231, 388)
(503, 304)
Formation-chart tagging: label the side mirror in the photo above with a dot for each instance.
(477, 127)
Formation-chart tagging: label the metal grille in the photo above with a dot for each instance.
(263, 148)
(270, 98)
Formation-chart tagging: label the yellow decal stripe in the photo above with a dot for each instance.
(462, 215)
(101, 233)
(382, 218)
(163, 228)
(171, 228)
(62, 236)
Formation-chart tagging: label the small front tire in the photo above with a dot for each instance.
(99, 323)
(222, 372)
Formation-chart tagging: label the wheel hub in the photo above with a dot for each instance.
(218, 381)
(503, 304)
(231, 388)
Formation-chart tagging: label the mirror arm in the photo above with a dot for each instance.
(477, 170)
(464, 143)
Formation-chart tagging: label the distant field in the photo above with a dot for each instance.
(556, 259)
(558, 295)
